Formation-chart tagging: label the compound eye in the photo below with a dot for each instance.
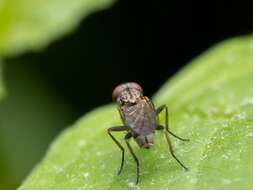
(117, 90)
(136, 86)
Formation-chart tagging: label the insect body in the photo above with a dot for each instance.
(140, 119)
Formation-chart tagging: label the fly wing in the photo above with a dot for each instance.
(141, 117)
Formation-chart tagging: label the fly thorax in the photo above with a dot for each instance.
(145, 141)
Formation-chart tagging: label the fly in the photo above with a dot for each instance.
(140, 121)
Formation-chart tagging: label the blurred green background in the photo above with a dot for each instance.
(62, 58)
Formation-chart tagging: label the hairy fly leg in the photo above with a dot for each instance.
(127, 138)
(158, 111)
(167, 132)
(118, 129)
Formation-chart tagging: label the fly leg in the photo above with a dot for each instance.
(160, 127)
(127, 138)
(167, 132)
(159, 110)
(115, 129)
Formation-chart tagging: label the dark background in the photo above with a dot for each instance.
(135, 40)
(143, 41)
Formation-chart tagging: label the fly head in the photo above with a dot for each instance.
(127, 93)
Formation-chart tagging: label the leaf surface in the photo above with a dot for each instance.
(210, 101)
(33, 24)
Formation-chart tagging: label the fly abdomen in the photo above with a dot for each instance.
(145, 141)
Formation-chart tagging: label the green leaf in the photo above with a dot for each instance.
(30, 117)
(210, 102)
(30, 25)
